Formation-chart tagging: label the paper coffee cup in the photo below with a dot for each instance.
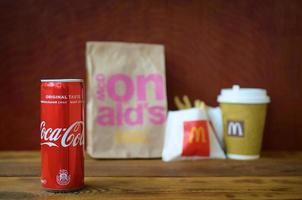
(243, 112)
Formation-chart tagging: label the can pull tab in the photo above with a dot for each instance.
(236, 88)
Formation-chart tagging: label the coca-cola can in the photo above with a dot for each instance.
(62, 134)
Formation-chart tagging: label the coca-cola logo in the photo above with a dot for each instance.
(71, 136)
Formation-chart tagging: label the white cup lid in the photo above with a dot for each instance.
(243, 95)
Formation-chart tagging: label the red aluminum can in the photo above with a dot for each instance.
(62, 134)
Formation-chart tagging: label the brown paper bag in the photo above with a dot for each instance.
(126, 100)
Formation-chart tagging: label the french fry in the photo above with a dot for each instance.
(179, 105)
(196, 103)
(187, 101)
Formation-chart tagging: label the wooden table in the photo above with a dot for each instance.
(277, 175)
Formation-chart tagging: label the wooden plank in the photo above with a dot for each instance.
(161, 188)
(271, 164)
(35, 155)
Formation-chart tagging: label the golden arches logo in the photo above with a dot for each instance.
(197, 135)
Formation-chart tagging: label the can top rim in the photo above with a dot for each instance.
(61, 80)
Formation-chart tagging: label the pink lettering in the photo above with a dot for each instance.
(142, 83)
(134, 116)
(131, 97)
(157, 114)
(128, 87)
(106, 116)
(101, 87)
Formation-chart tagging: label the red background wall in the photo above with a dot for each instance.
(209, 45)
